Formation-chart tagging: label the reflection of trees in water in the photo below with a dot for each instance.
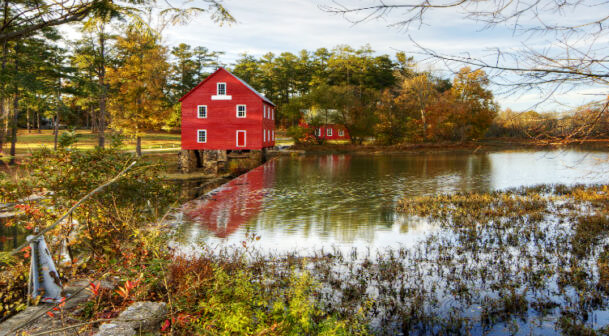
(433, 173)
(10, 237)
(348, 197)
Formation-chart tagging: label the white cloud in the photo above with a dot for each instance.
(293, 25)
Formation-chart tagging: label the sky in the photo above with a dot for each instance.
(292, 25)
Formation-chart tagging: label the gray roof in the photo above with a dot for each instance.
(254, 90)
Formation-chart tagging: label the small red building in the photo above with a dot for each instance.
(224, 113)
(332, 132)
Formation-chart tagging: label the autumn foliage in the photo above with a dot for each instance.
(422, 110)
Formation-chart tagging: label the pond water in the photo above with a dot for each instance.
(343, 201)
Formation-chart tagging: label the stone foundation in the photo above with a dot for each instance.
(187, 161)
(212, 162)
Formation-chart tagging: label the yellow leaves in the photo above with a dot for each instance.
(140, 80)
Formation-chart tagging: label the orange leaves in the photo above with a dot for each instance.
(26, 251)
(94, 288)
(57, 308)
(29, 210)
(181, 320)
(126, 290)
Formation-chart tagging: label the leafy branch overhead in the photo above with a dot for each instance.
(562, 43)
(22, 19)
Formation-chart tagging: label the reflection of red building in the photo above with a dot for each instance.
(225, 209)
(335, 164)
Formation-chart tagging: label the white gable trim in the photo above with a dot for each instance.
(221, 97)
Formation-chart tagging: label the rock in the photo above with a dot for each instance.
(116, 329)
(187, 161)
(144, 316)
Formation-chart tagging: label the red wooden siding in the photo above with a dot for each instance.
(222, 123)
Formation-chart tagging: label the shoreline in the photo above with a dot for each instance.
(468, 147)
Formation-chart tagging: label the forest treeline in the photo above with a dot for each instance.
(124, 77)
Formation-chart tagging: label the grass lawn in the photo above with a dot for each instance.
(87, 140)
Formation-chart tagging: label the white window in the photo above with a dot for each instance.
(221, 89)
(272, 113)
(202, 111)
(273, 135)
(263, 135)
(328, 132)
(341, 133)
(241, 111)
(201, 136)
(318, 131)
(264, 111)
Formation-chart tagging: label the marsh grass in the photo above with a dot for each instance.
(523, 261)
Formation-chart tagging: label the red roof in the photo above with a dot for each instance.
(239, 79)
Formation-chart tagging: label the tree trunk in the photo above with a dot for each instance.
(27, 119)
(93, 118)
(14, 123)
(138, 146)
(3, 115)
(424, 123)
(38, 121)
(3, 110)
(56, 130)
(14, 129)
(102, 97)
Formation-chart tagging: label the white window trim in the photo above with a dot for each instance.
(341, 133)
(199, 113)
(244, 138)
(244, 111)
(264, 111)
(272, 113)
(328, 131)
(263, 135)
(218, 89)
(198, 137)
(224, 96)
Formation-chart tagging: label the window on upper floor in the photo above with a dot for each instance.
(201, 136)
(202, 111)
(221, 89)
(264, 111)
(272, 113)
(241, 111)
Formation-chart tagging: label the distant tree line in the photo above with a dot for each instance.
(584, 122)
(371, 95)
(119, 74)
